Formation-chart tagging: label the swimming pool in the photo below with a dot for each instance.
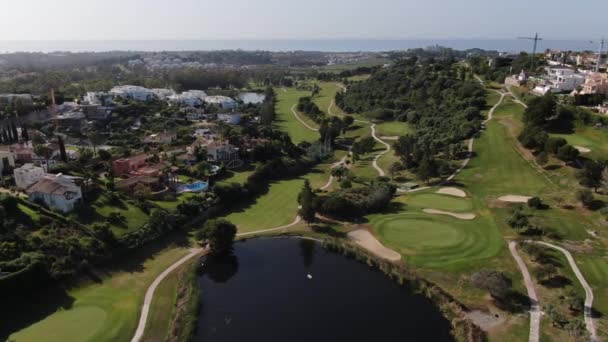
(199, 186)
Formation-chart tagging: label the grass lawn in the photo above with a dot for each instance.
(595, 139)
(135, 217)
(276, 208)
(285, 119)
(439, 201)
(106, 310)
(393, 128)
(326, 96)
(172, 205)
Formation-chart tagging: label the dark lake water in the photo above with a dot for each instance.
(264, 294)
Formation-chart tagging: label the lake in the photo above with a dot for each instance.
(263, 293)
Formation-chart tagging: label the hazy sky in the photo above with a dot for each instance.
(272, 19)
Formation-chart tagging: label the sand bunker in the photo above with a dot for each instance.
(462, 216)
(582, 149)
(366, 240)
(452, 191)
(514, 199)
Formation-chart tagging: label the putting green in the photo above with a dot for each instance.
(438, 201)
(438, 242)
(77, 324)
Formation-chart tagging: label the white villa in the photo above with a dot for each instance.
(132, 92)
(230, 118)
(221, 101)
(163, 94)
(97, 98)
(27, 175)
(191, 98)
(559, 79)
(56, 191)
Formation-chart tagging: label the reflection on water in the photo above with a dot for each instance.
(263, 293)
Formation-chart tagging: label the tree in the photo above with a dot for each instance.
(585, 196)
(604, 182)
(567, 153)
(24, 134)
(495, 282)
(221, 234)
(62, 153)
(542, 158)
(427, 169)
(306, 199)
(591, 174)
(45, 152)
(535, 202)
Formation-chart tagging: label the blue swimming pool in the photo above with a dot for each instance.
(199, 186)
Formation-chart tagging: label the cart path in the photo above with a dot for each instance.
(145, 308)
(588, 291)
(534, 334)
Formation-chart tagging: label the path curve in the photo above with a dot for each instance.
(588, 291)
(293, 110)
(535, 315)
(145, 308)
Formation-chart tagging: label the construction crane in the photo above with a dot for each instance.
(599, 54)
(536, 38)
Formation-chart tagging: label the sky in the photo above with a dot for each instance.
(309, 19)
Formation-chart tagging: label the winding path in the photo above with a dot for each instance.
(535, 314)
(588, 291)
(293, 110)
(145, 308)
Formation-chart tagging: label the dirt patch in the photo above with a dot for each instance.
(582, 149)
(485, 320)
(462, 216)
(514, 199)
(366, 240)
(452, 191)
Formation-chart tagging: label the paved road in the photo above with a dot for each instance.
(588, 291)
(145, 309)
(535, 314)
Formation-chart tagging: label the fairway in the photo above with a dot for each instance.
(393, 128)
(108, 310)
(276, 208)
(592, 138)
(287, 122)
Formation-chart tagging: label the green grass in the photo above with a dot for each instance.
(393, 128)
(276, 208)
(285, 119)
(29, 212)
(441, 202)
(595, 139)
(107, 310)
(172, 205)
(135, 217)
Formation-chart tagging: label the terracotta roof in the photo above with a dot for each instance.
(53, 184)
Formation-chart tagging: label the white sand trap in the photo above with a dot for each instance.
(366, 240)
(514, 199)
(462, 216)
(582, 149)
(452, 191)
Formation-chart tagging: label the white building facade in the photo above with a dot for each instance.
(27, 175)
(56, 191)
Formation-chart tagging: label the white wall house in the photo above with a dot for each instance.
(56, 191)
(7, 161)
(560, 79)
(222, 102)
(133, 92)
(27, 175)
(162, 94)
(230, 118)
(191, 98)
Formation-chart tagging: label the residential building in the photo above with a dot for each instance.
(71, 120)
(221, 152)
(596, 83)
(517, 80)
(27, 175)
(97, 98)
(132, 182)
(223, 102)
(163, 138)
(191, 98)
(11, 99)
(126, 165)
(559, 79)
(96, 112)
(230, 118)
(132, 92)
(162, 94)
(23, 152)
(7, 161)
(56, 191)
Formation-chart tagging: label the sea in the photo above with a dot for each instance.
(326, 45)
